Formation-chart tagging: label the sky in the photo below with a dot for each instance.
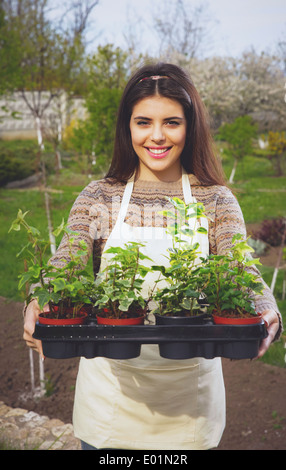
(237, 25)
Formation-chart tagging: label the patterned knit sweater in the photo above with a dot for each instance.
(95, 211)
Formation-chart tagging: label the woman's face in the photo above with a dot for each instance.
(158, 133)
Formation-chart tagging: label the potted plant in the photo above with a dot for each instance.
(119, 287)
(229, 286)
(66, 289)
(180, 300)
(120, 302)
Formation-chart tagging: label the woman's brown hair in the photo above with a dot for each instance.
(198, 156)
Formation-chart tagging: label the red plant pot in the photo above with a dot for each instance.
(78, 320)
(220, 320)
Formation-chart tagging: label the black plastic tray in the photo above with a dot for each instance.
(175, 342)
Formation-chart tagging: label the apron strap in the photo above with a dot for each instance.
(187, 187)
(125, 200)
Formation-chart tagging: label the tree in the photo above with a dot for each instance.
(39, 60)
(218, 84)
(107, 76)
(182, 29)
(46, 59)
(238, 135)
(7, 47)
(8, 61)
(277, 146)
(252, 84)
(281, 49)
(261, 88)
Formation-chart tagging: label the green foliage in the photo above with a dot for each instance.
(238, 135)
(223, 281)
(277, 141)
(17, 164)
(9, 60)
(66, 286)
(227, 283)
(34, 55)
(107, 76)
(182, 290)
(277, 147)
(119, 284)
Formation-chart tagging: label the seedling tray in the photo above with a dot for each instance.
(175, 342)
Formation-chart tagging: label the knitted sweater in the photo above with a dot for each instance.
(95, 211)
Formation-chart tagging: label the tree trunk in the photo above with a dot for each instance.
(42, 376)
(58, 161)
(41, 387)
(231, 178)
(32, 374)
(276, 270)
(39, 133)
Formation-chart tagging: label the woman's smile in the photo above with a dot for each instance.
(158, 134)
(158, 152)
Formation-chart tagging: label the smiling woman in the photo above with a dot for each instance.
(169, 84)
(162, 148)
(158, 132)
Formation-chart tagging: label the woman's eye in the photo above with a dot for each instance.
(142, 123)
(168, 123)
(173, 123)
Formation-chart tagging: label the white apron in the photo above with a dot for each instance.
(150, 402)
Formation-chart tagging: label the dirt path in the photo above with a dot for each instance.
(256, 405)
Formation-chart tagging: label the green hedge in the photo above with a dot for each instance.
(17, 164)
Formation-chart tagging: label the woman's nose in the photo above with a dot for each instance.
(157, 134)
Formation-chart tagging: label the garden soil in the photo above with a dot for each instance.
(255, 392)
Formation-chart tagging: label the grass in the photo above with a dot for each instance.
(10, 244)
(261, 196)
(276, 355)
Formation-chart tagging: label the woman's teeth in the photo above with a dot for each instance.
(158, 151)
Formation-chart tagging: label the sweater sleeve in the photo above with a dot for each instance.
(228, 222)
(84, 218)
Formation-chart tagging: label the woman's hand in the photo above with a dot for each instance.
(31, 316)
(271, 320)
